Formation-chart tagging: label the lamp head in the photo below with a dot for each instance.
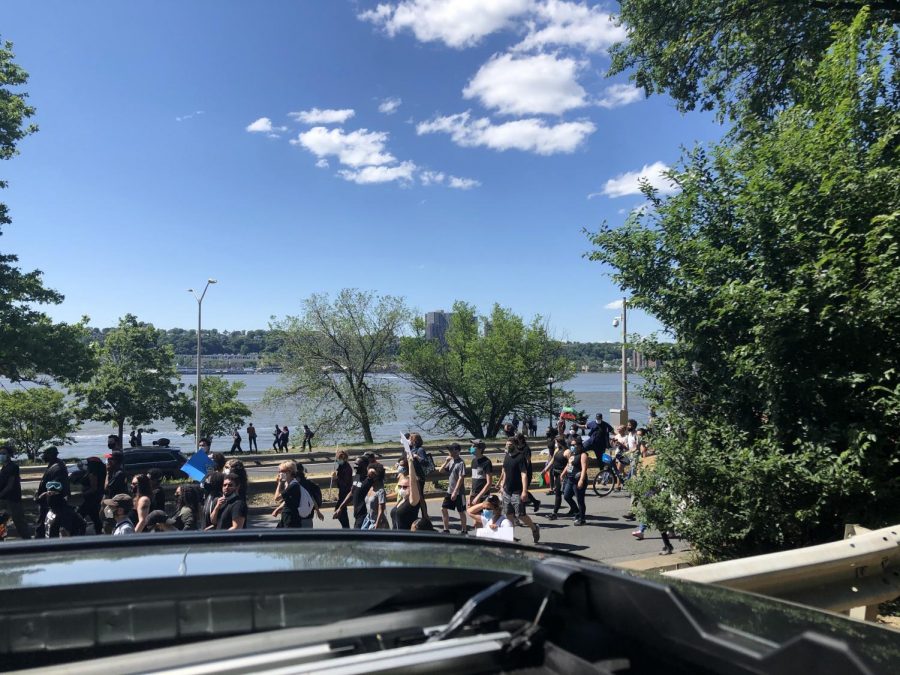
(616, 322)
(211, 281)
(190, 290)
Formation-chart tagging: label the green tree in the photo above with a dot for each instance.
(481, 375)
(220, 410)
(36, 417)
(136, 381)
(31, 344)
(731, 55)
(775, 268)
(329, 353)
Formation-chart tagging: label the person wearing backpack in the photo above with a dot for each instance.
(315, 493)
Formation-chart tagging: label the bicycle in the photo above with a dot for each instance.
(608, 476)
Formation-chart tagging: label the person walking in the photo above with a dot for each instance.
(556, 465)
(11, 489)
(93, 477)
(117, 509)
(456, 489)
(406, 513)
(576, 480)
(288, 494)
(60, 520)
(158, 500)
(358, 492)
(514, 488)
(251, 438)
(236, 442)
(522, 442)
(276, 442)
(56, 472)
(188, 510)
(376, 500)
(425, 465)
(343, 479)
(307, 437)
(230, 511)
(285, 437)
(482, 471)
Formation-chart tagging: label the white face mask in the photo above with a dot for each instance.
(109, 512)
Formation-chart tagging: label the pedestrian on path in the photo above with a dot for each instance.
(236, 442)
(514, 488)
(307, 438)
(251, 438)
(276, 442)
(456, 489)
(11, 489)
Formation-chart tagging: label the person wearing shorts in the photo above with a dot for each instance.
(514, 488)
(456, 488)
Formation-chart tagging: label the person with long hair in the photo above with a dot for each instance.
(236, 468)
(376, 501)
(406, 513)
(288, 495)
(556, 465)
(576, 479)
(188, 510)
(343, 478)
(142, 493)
(421, 458)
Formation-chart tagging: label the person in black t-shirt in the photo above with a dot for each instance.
(357, 495)
(158, 499)
(230, 511)
(407, 511)
(56, 473)
(559, 458)
(482, 470)
(116, 480)
(514, 488)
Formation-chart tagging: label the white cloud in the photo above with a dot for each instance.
(317, 116)
(463, 183)
(389, 106)
(570, 24)
(615, 304)
(628, 183)
(189, 115)
(380, 174)
(322, 163)
(262, 125)
(532, 85)
(356, 148)
(432, 177)
(456, 23)
(529, 135)
(620, 94)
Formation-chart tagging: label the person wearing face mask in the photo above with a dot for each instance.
(406, 513)
(296, 506)
(576, 479)
(116, 479)
(343, 478)
(142, 493)
(376, 519)
(60, 520)
(92, 484)
(187, 509)
(357, 495)
(482, 473)
(117, 509)
(556, 464)
(212, 489)
(11, 489)
(57, 473)
(230, 511)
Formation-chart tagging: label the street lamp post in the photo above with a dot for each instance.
(624, 320)
(550, 386)
(199, 343)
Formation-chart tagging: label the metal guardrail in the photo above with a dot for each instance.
(851, 576)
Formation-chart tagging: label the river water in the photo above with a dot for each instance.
(596, 392)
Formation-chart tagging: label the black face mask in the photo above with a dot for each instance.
(134, 491)
(56, 502)
(179, 501)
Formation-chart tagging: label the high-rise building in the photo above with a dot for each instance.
(436, 324)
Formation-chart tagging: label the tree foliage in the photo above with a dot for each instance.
(329, 353)
(37, 417)
(220, 410)
(31, 344)
(775, 268)
(481, 376)
(732, 55)
(136, 381)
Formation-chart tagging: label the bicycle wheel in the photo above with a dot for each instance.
(604, 482)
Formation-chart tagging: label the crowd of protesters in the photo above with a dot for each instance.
(476, 491)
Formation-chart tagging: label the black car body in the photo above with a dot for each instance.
(342, 601)
(140, 460)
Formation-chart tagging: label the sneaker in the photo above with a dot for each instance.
(578, 523)
(571, 512)
(536, 533)
(667, 551)
(445, 531)
(537, 505)
(637, 534)
(629, 516)
(551, 516)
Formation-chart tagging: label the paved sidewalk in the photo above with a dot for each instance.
(605, 537)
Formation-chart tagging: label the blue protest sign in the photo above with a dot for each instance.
(196, 466)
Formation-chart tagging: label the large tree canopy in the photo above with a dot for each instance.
(330, 352)
(483, 374)
(775, 268)
(731, 55)
(31, 344)
(136, 382)
(220, 410)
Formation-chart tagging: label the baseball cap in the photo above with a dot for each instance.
(50, 450)
(370, 454)
(478, 443)
(120, 501)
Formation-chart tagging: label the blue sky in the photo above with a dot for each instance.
(437, 151)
